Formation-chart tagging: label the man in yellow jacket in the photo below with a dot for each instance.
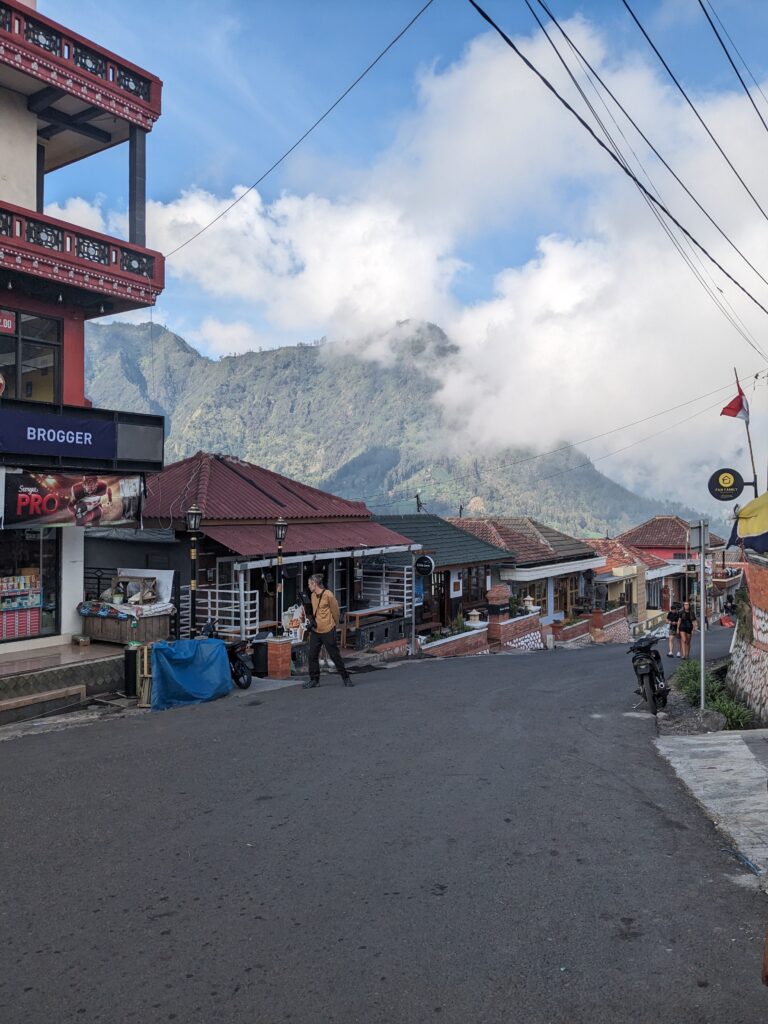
(325, 612)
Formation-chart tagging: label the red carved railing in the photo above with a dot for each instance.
(31, 243)
(43, 49)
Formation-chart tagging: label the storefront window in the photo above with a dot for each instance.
(38, 371)
(29, 583)
(30, 359)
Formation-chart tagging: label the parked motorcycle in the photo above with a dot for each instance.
(240, 664)
(650, 673)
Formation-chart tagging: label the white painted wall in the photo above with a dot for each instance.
(72, 568)
(18, 151)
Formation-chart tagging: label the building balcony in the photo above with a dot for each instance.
(85, 98)
(55, 261)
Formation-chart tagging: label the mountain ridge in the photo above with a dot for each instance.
(359, 429)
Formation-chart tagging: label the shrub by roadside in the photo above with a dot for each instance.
(716, 697)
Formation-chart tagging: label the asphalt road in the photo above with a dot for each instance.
(481, 840)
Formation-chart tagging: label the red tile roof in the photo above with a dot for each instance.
(305, 537)
(531, 542)
(663, 532)
(618, 555)
(228, 489)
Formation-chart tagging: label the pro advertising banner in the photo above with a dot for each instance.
(66, 499)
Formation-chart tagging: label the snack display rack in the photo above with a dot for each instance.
(21, 598)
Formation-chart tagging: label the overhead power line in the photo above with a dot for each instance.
(711, 289)
(545, 81)
(308, 132)
(700, 119)
(735, 47)
(406, 494)
(733, 65)
(646, 140)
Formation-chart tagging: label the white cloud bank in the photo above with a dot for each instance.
(601, 325)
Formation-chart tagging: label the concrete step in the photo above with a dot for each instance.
(31, 705)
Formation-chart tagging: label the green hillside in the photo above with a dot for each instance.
(351, 426)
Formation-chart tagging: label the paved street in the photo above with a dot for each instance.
(488, 839)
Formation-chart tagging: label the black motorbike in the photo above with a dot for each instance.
(240, 664)
(650, 673)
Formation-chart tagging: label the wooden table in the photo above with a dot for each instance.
(384, 611)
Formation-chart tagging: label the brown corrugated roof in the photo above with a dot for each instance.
(228, 489)
(300, 538)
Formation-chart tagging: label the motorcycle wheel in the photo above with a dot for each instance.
(241, 675)
(650, 696)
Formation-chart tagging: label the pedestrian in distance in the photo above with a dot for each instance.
(673, 617)
(686, 627)
(322, 632)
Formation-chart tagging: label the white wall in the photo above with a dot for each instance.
(18, 151)
(72, 567)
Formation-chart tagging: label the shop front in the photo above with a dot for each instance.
(62, 471)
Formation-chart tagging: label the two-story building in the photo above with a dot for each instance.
(64, 466)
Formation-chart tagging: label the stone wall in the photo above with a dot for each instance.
(521, 633)
(748, 678)
(748, 671)
(474, 642)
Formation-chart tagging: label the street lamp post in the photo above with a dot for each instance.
(281, 528)
(194, 517)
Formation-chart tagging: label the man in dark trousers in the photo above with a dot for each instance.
(325, 612)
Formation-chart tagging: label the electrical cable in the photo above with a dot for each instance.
(406, 494)
(308, 132)
(732, 317)
(647, 141)
(733, 65)
(730, 40)
(545, 81)
(693, 108)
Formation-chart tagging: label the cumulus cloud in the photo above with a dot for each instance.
(598, 323)
(225, 339)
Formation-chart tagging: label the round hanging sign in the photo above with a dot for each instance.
(726, 484)
(424, 565)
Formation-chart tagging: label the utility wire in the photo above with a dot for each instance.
(730, 40)
(693, 108)
(545, 81)
(308, 132)
(633, 444)
(406, 493)
(647, 141)
(732, 317)
(733, 65)
(590, 462)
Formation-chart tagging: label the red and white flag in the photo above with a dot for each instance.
(738, 407)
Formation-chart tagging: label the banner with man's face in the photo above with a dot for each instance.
(71, 499)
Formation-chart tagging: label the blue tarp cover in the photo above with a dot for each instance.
(189, 672)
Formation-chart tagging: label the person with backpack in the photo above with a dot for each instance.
(322, 625)
(686, 626)
(673, 617)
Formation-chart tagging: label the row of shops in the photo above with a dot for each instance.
(74, 546)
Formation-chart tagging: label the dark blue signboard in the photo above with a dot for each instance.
(25, 432)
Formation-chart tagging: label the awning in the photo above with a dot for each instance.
(307, 538)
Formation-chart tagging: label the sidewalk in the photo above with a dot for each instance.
(727, 773)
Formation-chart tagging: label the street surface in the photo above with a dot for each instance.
(481, 840)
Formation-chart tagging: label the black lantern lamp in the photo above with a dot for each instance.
(194, 517)
(281, 528)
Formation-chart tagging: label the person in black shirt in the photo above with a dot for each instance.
(673, 617)
(686, 626)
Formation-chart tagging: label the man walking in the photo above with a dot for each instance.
(325, 612)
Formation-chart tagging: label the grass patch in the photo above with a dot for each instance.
(716, 697)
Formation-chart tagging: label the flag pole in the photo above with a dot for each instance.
(749, 440)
